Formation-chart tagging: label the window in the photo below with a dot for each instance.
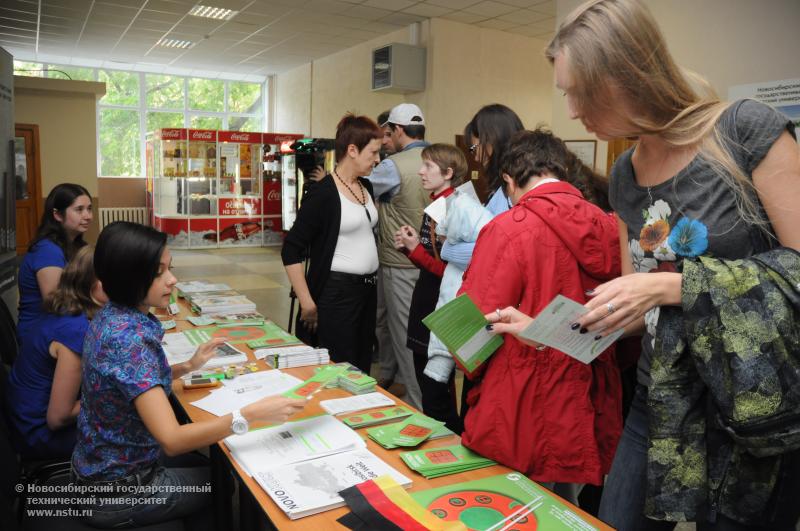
(137, 103)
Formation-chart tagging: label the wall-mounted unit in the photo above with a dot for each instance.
(398, 68)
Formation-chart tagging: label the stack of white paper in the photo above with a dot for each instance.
(292, 442)
(311, 487)
(287, 357)
(337, 406)
(244, 390)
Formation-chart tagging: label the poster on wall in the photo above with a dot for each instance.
(783, 95)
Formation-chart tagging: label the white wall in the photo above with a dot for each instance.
(729, 42)
(467, 67)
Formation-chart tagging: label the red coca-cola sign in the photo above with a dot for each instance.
(272, 198)
(239, 206)
(239, 137)
(279, 138)
(171, 134)
(203, 135)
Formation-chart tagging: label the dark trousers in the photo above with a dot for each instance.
(438, 399)
(346, 318)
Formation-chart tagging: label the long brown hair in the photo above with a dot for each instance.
(617, 42)
(74, 292)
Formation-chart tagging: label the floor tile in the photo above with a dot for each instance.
(194, 258)
(245, 282)
(265, 266)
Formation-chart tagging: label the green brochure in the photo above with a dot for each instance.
(410, 432)
(436, 462)
(382, 416)
(316, 382)
(462, 328)
(505, 501)
(267, 334)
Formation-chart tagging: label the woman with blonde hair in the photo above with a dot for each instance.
(709, 231)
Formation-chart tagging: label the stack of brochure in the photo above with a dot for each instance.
(374, 418)
(239, 319)
(357, 383)
(435, 462)
(311, 487)
(222, 303)
(199, 286)
(411, 432)
(288, 357)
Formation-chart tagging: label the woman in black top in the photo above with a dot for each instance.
(334, 229)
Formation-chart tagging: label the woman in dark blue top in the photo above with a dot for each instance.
(45, 380)
(67, 215)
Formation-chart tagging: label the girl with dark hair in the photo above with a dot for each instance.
(67, 215)
(125, 419)
(335, 229)
(44, 383)
(487, 134)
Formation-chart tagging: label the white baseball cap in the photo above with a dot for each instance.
(405, 114)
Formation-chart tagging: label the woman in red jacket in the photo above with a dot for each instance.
(539, 411)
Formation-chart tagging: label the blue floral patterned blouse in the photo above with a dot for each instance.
(122, 358)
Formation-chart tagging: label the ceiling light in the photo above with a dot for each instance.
(174, 43)
(217, 13)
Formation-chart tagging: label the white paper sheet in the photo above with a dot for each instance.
(437, 210)
(552, 328)
(292, 442)
(244, 390)
(349, 404)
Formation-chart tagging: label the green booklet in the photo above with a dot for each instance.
(382, 416)
(316, 382)
(505, 501)
(265, 334)
(462, 328)
(436, 462)
(410, 432)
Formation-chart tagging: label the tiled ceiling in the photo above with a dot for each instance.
(265, 37)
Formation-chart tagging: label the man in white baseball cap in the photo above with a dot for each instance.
(397, 185)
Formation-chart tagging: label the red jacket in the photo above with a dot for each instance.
(541, 412)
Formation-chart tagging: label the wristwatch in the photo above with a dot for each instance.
(239, 424)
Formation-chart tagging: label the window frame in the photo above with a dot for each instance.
(142, 108)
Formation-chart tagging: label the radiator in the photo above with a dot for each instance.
(134, 214)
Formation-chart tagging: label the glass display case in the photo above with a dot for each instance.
(211, 189)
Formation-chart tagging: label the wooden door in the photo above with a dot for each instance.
(474, 170)
(28, 184)
(615, 149)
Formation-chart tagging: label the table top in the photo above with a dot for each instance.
(327, 519)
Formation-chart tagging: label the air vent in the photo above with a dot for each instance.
(398, 68)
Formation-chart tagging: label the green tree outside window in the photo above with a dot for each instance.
(119, 143)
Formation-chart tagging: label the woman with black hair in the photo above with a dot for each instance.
(488, 133)
(125, 419)
(66, 217)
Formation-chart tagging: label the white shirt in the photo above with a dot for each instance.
(356, 251)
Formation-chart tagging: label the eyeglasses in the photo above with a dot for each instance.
(473, 148)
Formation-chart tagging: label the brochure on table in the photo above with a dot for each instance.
(292, 442)
(244, 390)
(311, 487)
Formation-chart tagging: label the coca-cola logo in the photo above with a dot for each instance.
(240, 136)
(170, 133)
(274, 195)
(202, 135)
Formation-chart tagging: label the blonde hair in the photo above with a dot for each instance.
(448, 156)
(617, 42)
(74, 292)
